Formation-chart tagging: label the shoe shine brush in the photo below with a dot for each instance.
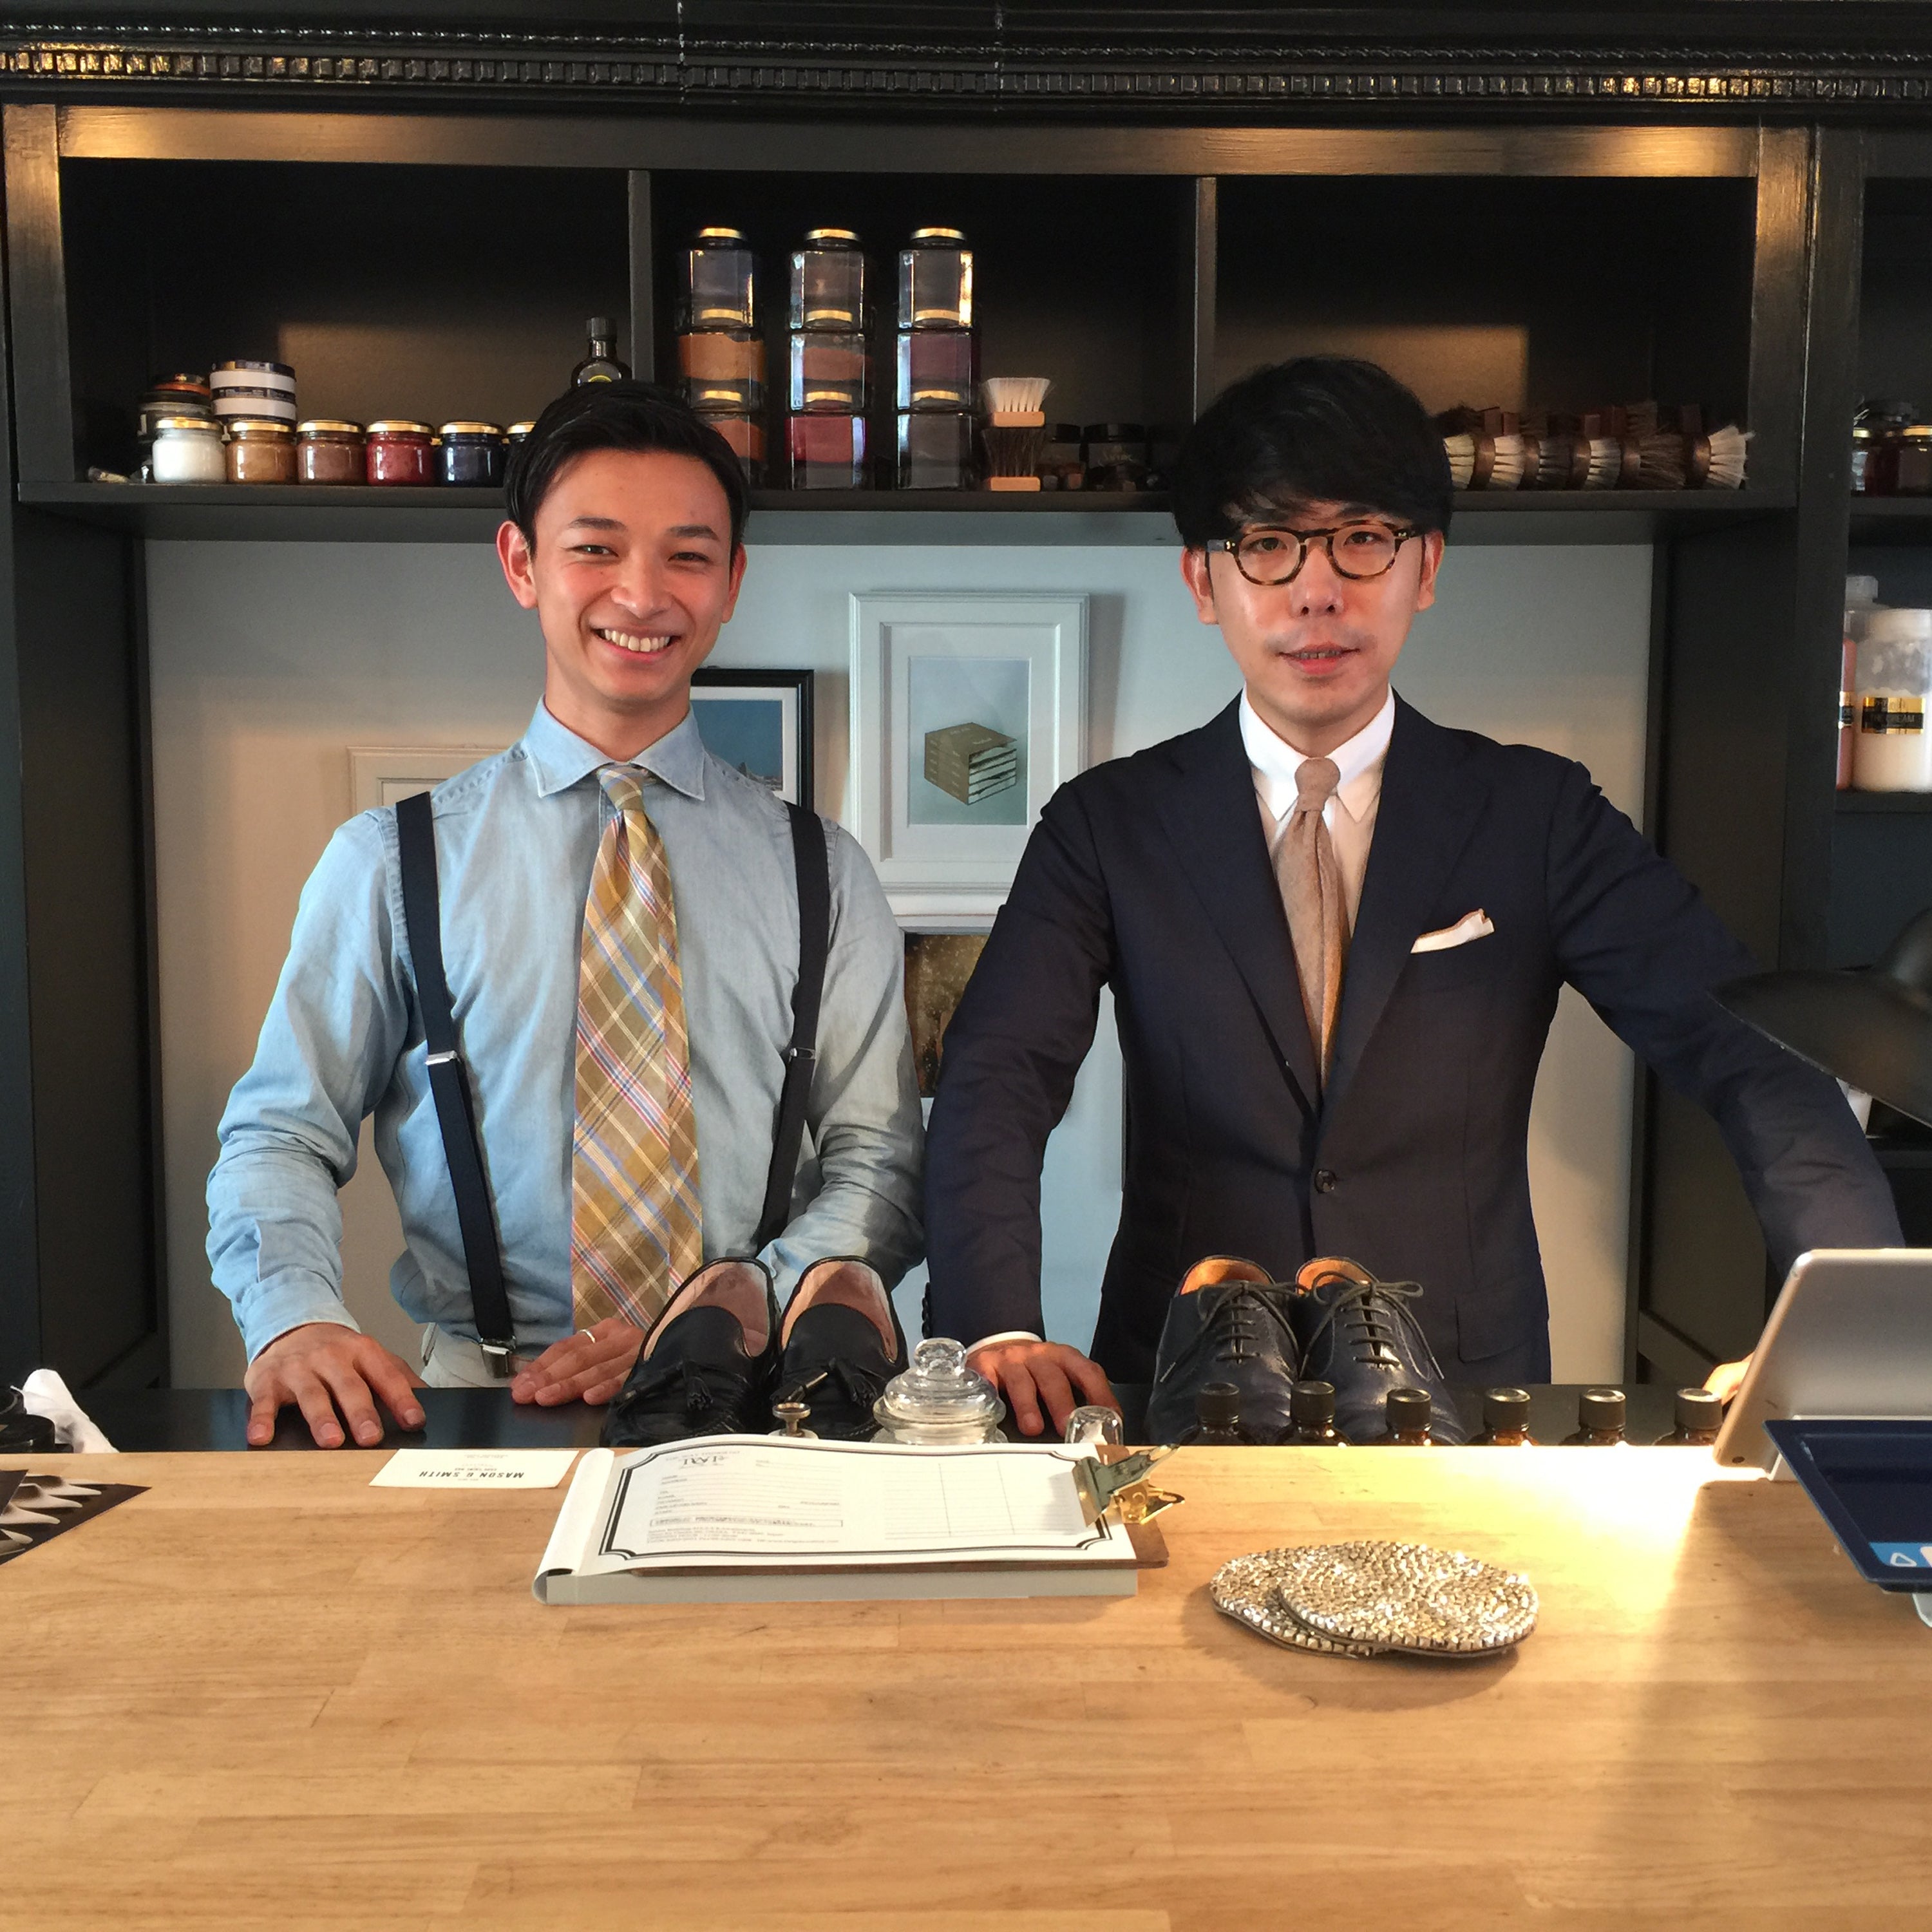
(1485, 448)
(1013, 429)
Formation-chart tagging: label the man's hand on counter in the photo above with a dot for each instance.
(1030, 1373)
(1725, 1380)
(321, 1367)
(591, 1365)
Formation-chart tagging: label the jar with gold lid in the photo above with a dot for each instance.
(260, 450)
(471, 453)
(328, 451)
(187, 449)
(400, 451)
(1912, 470)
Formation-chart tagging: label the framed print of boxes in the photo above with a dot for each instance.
(968, 710)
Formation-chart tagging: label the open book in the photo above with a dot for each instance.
(726, 1519)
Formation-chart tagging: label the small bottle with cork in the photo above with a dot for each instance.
(1506, 1420)
(1601, 1413)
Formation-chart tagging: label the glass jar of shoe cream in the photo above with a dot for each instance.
(939, 1399)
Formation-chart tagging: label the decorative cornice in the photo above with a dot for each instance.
(313, 63)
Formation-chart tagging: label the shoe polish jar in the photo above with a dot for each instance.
(260, 450)
(939, 1399)
(188, 449)
(400, 452)
(1894, 749)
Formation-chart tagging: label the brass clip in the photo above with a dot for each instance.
(1123, 1486)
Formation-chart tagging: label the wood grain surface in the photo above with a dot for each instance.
(265, 1694)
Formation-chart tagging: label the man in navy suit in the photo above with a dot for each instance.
(1335, 933)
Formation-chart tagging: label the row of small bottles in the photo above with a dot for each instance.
(1407, 1418)
(720, 357)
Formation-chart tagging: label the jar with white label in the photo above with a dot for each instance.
(1894, 751)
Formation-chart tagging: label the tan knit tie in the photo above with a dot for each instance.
(635, 1227)
(1310, 878)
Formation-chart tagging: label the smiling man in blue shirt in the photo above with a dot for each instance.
(626, 539)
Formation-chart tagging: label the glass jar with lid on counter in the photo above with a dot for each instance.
(1878, 432)
(400, 452)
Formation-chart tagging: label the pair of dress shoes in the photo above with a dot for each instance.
(1335, 1322)
(720, 1354)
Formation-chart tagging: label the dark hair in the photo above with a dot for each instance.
(1321, 429)
(616, 416)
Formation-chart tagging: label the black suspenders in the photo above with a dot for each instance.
(449, 1083)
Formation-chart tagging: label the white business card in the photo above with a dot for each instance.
(475, 1469)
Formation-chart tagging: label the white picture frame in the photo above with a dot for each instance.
(1011, 664)
(383, 775)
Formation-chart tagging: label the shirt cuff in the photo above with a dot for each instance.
(1004, 1335)
(277, 1306)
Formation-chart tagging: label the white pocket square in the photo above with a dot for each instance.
(1471, 925)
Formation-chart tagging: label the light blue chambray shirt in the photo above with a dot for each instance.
(516, 837)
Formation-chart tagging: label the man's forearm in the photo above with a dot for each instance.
(274, 1238)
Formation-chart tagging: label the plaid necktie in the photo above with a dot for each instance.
(634, 1226)
(1310, 878)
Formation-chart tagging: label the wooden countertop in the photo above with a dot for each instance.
(265, 1694)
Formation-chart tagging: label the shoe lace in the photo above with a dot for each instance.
(1375, 1321)
(1238, 1329)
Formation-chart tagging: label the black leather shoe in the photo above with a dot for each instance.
(1361, 1334)
(841, 1343)
(1229, 1322)
(707, 1363)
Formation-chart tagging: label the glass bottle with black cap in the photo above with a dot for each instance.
(1699, 1415)
(1311, 1416)
(1599, 1420)
(1217, 1408)
(1506, 1420)
(1408, 1412)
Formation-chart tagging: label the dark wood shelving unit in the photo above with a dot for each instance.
(1857, 803)
(427, 242)
(339, 514)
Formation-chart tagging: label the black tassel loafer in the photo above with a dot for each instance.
(707, 1364)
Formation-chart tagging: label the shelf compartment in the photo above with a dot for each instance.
(1562, 295)
(423, 292)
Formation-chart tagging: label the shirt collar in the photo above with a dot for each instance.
(1359, 760)
(562, 759)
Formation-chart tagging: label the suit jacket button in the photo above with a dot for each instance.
(1324, 1181)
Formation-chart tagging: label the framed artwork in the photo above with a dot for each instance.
(761, 722)
(968, 710)
(379, 775)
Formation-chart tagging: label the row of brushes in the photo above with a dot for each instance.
(1640, 447)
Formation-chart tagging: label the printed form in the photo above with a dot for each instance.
(742, 1500)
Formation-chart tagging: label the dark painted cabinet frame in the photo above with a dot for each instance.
(1747, 589)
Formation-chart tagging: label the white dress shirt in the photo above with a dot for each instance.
(1349, 814)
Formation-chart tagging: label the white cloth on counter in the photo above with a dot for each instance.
(45, 1394)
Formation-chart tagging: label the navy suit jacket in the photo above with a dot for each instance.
(1150, 874)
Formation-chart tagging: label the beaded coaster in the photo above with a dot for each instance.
(1406, 1597)
(1248, 1589)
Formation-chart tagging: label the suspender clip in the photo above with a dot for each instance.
(501, 1356)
